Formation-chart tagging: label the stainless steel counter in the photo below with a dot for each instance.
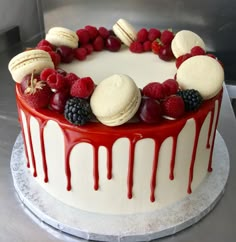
(17, 226)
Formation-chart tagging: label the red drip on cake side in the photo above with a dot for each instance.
(134, 132)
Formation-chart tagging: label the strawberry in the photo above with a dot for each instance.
(173, 107)
(36, 92)
(156, 45)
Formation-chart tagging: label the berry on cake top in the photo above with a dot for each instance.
(199, 75)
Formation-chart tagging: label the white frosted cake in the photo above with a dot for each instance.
(128, 154)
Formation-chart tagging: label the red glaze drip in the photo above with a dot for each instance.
(24, 139)
(210, 128)
(172, 162)
(109, 163)
(154, 171)
(31, 145)
(45, 168)
(131, 168)
(213, 140)
(95, 168)
(91, 133)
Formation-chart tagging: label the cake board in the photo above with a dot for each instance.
(122, 228)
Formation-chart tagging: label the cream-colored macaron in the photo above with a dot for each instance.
(62, 36)
(27, 62)
(125, 31)
(184, 41)
(202, 73)
(115, 100)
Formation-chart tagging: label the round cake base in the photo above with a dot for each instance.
(138, 227)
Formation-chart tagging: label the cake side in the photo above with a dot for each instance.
(136, 168)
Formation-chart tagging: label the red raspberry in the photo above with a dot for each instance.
(197, 50)
(88, 47)
(136, 47)
(173, 107)
(71, 78)
(171, 86)
(147, 45)
(154, 34)
(166, 37)
(56, 58)
(83, 36)
(45, 48)
(212, 56)
(82, 87)
(98, 43)
(103, 32)
(181, 59)
(45, 73)
(56, 81)
(44, 42)
(93, 32)
(156, 45)
(80, 53)
(154, 90)
(142, 35)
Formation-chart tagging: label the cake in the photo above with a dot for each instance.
(143, 147)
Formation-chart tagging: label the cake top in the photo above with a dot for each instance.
(152, 76)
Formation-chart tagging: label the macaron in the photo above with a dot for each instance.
(115, 100)
(125, 31)
(59, 36)
(184, 41)
(27, 62)
(202, 73)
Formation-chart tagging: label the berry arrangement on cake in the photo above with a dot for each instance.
(118, 121)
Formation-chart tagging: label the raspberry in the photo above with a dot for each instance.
(154, 90)
(45, 48)
(136, 47)
(197, 50)
(171, 86)
(212, 56)
(93, 32)
(181, 59)
(77, 111)
(154, 34)
(98, 43)
(82, 87)
(103, 32)
(44, 42)
(71, 78)
(80, 53)
(192, 99)
(45, 73)
(147, 46)
(56, 81)
(83, 36)
(56, 58)
(173, 107)
(142, 35)
(166, 37)
(88, 47)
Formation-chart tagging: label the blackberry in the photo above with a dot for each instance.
(192, 99)
(78, 111)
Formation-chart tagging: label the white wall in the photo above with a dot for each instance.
(24, 13)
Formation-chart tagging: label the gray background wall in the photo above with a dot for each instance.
(27, 14)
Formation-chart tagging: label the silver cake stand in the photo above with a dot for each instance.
(140, 227)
